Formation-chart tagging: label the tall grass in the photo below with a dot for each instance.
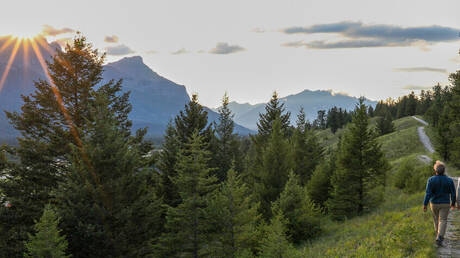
(398, 228)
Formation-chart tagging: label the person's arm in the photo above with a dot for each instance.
(453, 194)
(428, 194)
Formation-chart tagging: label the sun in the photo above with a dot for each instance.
(26, 35)
(26, 32)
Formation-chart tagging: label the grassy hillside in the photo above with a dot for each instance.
(398, 228)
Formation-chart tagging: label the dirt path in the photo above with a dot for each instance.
(423, 137)
(451, 246)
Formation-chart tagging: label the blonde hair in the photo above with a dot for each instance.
(439, 167)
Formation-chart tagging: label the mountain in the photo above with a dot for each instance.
(155, 99)
(247, 115)
(17, 75)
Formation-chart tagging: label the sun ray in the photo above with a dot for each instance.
(67, 117)
(7, 43)
(64, 63)
(10, 63)
(25, 47)
(56, 92)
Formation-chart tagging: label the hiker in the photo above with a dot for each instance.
(440, 192)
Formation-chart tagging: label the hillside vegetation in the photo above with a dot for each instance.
(398, 228)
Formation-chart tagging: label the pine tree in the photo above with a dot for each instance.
(187, 228)
(319, 186)
(178, 133)
(237, 218)
(444, 137)
(47, 240)
(307, 152)
(385, 124)
(411, 105)
(273, 110)
(302, 215)
(227, 145)
(320, 121)
(370, 111)
(106, 206)
(435, 110)
(193, 118)
(167, 163)
(361, 166)
(454, 117)
(275, 244)
(271, 173)
(333, 120)
(52, 119)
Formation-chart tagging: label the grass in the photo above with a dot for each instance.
(329, 139)
(401, 143)
(406, 122)
(398, 227)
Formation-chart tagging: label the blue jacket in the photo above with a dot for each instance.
(438, 189)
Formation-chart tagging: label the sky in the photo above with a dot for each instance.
(250, 48)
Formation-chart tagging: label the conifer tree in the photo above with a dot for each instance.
(361, 166)
(227, 144)
(187, 228)
(302, 215)
(333, 120)
(193, 118)
(370, 111)
(385, 124)
(106, 206)
(319, 186)
(454, 114)
(302, 123)
(168, 159)
(178, 133)
(307, 152)
(275, 243)
(273, 110)
(47, 240)
(320, 121)
(52, 118)
(444, 137)
(236, 216)
(272, 172)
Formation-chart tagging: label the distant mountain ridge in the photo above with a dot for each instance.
(155, 99)
(247, 115)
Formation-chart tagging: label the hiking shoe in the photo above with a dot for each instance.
(439, 242)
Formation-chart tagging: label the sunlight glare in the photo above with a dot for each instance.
(26, 33)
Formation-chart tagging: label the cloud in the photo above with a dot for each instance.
(63, 41)
(455, 59)
(420, 69)
(49, 30)
(151, 52)
(294, 44)
(111, 39)
(180, 52)
(119, 50)
(258, 30)
(359, 35)
(223, 48)
(321, 44)
(417, 87)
